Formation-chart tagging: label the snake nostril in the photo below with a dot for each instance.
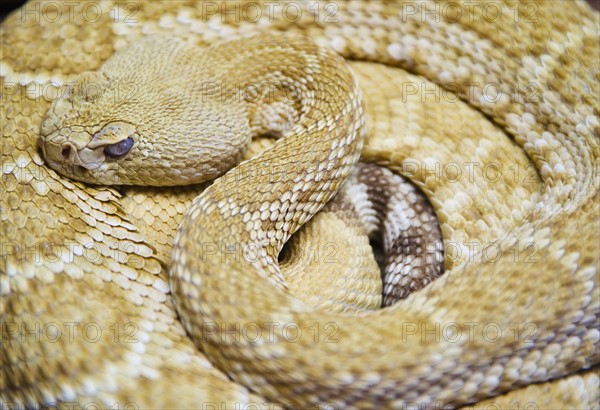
(66, 151)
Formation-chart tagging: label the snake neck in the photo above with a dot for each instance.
(307, 94)
(316, 106)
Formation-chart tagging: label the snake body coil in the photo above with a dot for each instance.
(538, 292)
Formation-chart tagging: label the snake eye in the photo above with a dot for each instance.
(119, 149)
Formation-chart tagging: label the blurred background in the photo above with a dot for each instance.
(6, 6)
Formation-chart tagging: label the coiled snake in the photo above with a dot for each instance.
(534, 84)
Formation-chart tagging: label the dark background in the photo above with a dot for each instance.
(7, 5)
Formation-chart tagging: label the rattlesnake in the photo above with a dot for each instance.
(374, 361)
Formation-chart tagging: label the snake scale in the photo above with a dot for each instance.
(89, 313)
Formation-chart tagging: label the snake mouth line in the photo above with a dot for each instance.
(70, 170)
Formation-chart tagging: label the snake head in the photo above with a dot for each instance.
(77, 140)
(146, 118)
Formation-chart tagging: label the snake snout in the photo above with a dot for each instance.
(65, 155)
